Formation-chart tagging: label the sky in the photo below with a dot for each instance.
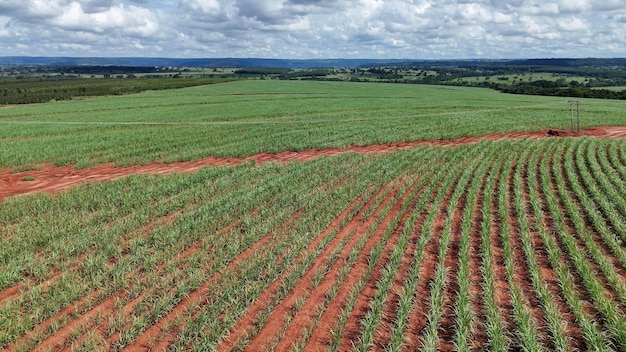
(314, 29)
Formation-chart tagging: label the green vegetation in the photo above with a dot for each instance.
(500, 245)
(45, 90)
(140, 246)
(248, 117)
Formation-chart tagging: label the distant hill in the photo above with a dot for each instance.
(619, 63)
(208, 62)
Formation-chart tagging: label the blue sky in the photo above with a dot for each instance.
(303, 29)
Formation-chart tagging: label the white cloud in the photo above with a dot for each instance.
(204, 7)
(572, 24)
(74, 46)
(314, 28)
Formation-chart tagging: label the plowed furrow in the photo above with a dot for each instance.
(203, 295)
(567, 227)
(432, 230)
(245, 325)
(384, 331)
(315, 297)
(85, 321)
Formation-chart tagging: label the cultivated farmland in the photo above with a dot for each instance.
(499, 244)
(250, 117)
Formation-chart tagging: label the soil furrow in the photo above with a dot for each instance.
(571, 230)
(200, 296)
(314, 297)
(522, 269)
(246, 324)
(418, 319)
(103, 308)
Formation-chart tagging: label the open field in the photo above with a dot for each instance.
(428, 238)
(250, 117)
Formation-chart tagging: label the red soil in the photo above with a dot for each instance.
(57, 178)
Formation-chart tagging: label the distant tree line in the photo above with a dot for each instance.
(549, 88)
(47, 90)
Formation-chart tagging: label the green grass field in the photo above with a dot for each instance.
(248, 117)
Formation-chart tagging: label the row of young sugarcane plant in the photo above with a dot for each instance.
(609, 230)
(372, 320)
(431, 338)
(81, 248)
(497, 339)
(315, 276)
(544, 175)
(529, 333)
(601, 198)
(139, 247)
(588, 257)
(605, 157)
(299, 234)
(70, 224)
(386, 220)
(569, 289)
(466, 318)
(150, 251)
(146, 250)
(376, 223)
(432, 195)
(547, 299)
(617, 157)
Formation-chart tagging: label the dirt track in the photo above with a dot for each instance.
(52, 179)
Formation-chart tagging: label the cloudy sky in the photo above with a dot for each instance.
(295, 29)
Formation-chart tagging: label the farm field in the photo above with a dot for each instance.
(458, 242)
(250, 117)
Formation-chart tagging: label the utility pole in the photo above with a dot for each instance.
(571, 110)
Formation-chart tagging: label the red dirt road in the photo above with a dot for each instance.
(53, 179)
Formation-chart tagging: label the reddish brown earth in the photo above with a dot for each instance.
(56, 178)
